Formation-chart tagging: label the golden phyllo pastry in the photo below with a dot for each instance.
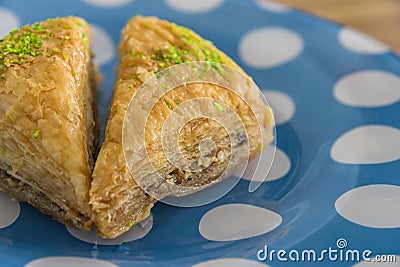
(47, 119)
(149, 45)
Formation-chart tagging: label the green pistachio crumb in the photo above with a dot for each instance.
(84, 103)
(158, 74)
(130, 86)
(18, 44)
(218, 106)
(36, 27)
(168, 105)
(206, 68)
(36, 135)
(85, 39)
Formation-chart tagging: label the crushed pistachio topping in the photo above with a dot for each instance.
(209, 53)
(218, 106)
(192, 46)
(168, 105)
(36, 134)
(85, 38)
(20, 44)
(131, 224)
(158, 74)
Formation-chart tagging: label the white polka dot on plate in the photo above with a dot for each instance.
(272, 6)
(230, 262)
(103, 46)
(237, 221)
(369, 144)
(368, 89)
(138, 231)
(9, 210)
(270, 47)
(280, 166)
(359, 42)
(68, 262)
(194, 6)
(108, 3)
(380, 263)
(372, 205)
(282, 104)
(9, 21)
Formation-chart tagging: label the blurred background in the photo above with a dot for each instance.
(378, 18)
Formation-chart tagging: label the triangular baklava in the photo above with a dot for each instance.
(149, 45)
(48, 87)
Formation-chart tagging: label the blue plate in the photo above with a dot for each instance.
(333, 194)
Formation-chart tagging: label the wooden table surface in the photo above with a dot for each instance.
(378, 18)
